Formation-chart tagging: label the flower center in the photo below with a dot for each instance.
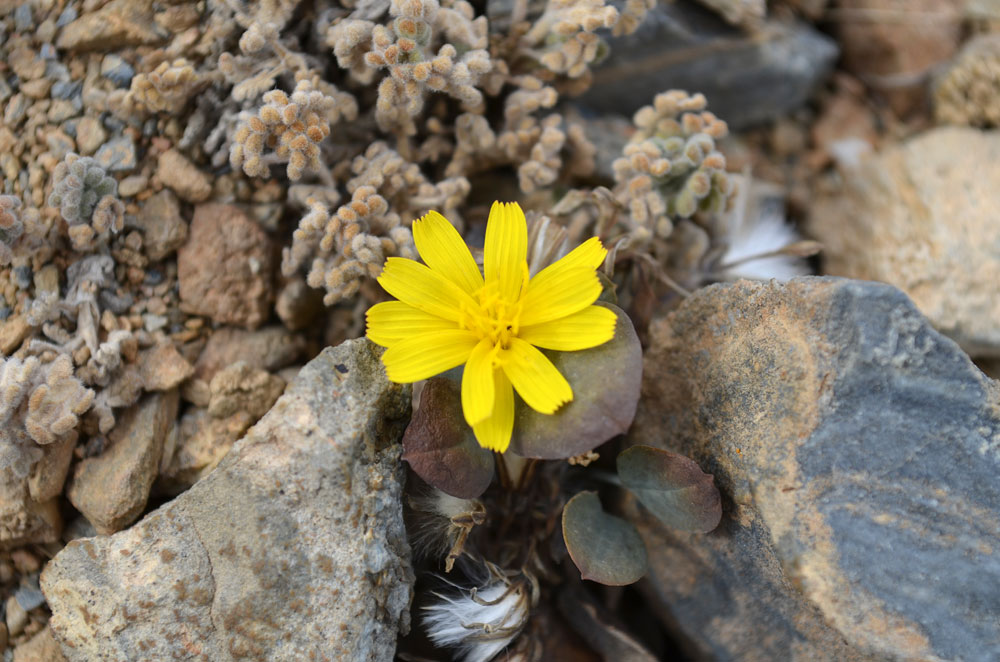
(494, 318)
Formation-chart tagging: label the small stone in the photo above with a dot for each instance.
(17, 617)
(225, 269)
(240, 388)
(23, 21)
(38, 88)
(152, 322)
(118, 155)
(132, 185)
(40, 648)
(117, 70)
(111, 489)
(300, 523)
(59, 144)
(270, 349)
(298, 304)
(65, 91)
(922, 216)
(13, 331)
(895, 57)
(116, 24)
(162, 367)
(61, 110)
(177, 172)
(203, 440)
(163, 229)
(90, 135)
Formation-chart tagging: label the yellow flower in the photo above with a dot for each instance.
(449, 314)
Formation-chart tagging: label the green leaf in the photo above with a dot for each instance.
(440, 446)
(672, 486)
(605, 548)
(605, 382)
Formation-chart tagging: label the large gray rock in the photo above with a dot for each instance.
(922, 215)
(857, 451)
(292, 549)
(748, 79)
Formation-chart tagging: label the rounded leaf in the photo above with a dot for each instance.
(605, 381)
(440, 446)
(672, 486)
(605, 548)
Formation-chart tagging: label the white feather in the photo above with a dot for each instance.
(480, 623)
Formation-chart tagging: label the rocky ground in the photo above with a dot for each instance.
(200, 456)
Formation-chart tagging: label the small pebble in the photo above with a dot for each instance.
(132, 185)
(117, 155)
(23, 21)
(90, 135)
(153, 322)
(66, 17)
(17, 617)
(117, 70)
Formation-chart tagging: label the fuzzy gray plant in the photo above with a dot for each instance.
(87, 199)
(80, 183)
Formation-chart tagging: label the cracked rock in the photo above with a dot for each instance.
(292, 549)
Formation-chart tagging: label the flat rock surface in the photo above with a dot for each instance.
(293, 549)
(225, 268)
(857, 451)
(922, 216)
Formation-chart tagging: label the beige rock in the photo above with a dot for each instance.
(923, 216)
(177, 172)
(89, 135)
(16, 617)
(202, 441)
(162, 367)
(298, 304)
(49, 475)
(240, 388)
(270, 348)
(225, 268)
(40, 648)
(111, 489)
(13, 331)
(163, 228)
(292, 549)
(118, 23)
(893, 45)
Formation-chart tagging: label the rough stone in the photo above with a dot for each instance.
(857, 451)
(177, 172)
(202, 441)
(894, 46)
(270, 348)
(118, 155)
(922, 216)
(13, 331)
(225, 268)
(118, 23)
(239, 387)
(111, 489)
(748, 79)
(162, 367)
(89, 135)
(292, 549)
(163, 228)
(40, 648)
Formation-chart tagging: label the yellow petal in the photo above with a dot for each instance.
(392, 321)
(444, 251)
(477, 384)
(590, 253)
(558, 292)
(505, 252)
(494, 432)
(418, 285)
(421, 357)
(587, 328)
(537, 381)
